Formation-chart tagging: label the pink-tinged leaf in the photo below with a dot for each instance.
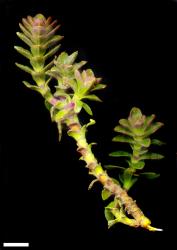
(153, 128)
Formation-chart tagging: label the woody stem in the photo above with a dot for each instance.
(97, 171)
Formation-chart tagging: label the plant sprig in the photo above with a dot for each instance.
(136, 131)
(73, 87)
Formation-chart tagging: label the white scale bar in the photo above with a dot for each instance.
(5, 244)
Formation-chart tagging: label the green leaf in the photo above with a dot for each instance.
(121, 178)
(87, 108)
(123, 138)
(113, 167)
(108, 215)
(24, 68)
(33, 87)
(92, 144)
(137, 165)
(51, 31)
(125, 123)
(73, 85)
(105, 194)
(53, 73)
(148, 121)
(25, 39)
(128, 183)
(70, 59)
(25, 31)
(135, 114)
(62, 58)
(157, 142)
(53, 41)
(26, 24)
(123, 130)
(153, 128)
(47, 105)
(91, 122)
(127, 174)
(150, 175)
(84, 127)
(98, 87)
(127, 178)
(79, 65)
(92, 97)
(78, 106)
(60, 92)
(151, 156)
(52, 52)
(48, 67)
(60, 115)
(23, 52)
(120, 154)
(145, 142)
(112, 223)
(143, 151)
(74, 134)
(112, 204)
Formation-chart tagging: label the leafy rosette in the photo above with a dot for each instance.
(136, 131)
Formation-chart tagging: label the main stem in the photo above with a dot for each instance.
(130, 206)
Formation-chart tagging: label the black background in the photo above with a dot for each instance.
(44, 196)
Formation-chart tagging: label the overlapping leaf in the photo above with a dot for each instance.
(38, 33)
(64, 70)
(75, 82)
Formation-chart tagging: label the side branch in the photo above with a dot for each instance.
(76, 131)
